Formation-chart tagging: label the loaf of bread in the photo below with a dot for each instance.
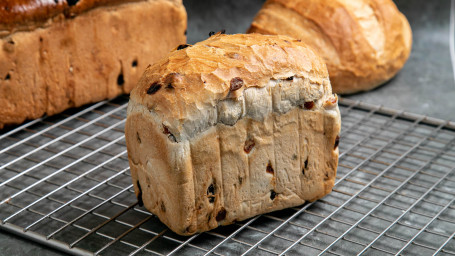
(232, 127)
(363, 42)
(60, 54)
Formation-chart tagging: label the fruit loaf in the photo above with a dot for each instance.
(60, 54)
(232, 127)
(364, 42)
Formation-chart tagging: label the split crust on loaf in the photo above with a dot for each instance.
(364, 42)
(93, 56)
(203, 155)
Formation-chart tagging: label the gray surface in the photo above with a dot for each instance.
(12, 245)
(208, 15)
(425, 85)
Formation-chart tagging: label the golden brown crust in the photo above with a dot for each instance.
(232, 127)
(96, 55)
(29, 14)
(364, 42)
(187, 86)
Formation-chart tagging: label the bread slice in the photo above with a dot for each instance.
(54, 56)
(232, 127)
(363, 42)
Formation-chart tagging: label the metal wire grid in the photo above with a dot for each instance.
(65, 182)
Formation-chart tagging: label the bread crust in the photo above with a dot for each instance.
(364, 42)
(279, 152)
(193, 83)
(26, 15)
(96, 55)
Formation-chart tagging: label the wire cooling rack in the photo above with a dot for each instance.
(65, 183)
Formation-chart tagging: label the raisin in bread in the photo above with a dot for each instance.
(232, 127)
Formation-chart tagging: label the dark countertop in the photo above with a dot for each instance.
(11, 245)
(426, 85)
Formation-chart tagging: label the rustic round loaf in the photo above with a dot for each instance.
(364, 42)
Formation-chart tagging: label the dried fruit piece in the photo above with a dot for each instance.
(153, 88)
(211, 193)
(120, 79)
(337, 141)
(249, 145)
(290, 78)
(236, 83)
(169, 134)
(221, 215)
(211, 190)
(272, 194)
(166, 130)
(269, 169)
(308, 105)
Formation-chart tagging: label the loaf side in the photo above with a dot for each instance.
(231, 173)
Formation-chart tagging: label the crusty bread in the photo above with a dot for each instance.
(55, 56)
(232, 127)
(364, 42)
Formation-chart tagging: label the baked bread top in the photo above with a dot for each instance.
(364, 42)
(228, 77)
(24, 15)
